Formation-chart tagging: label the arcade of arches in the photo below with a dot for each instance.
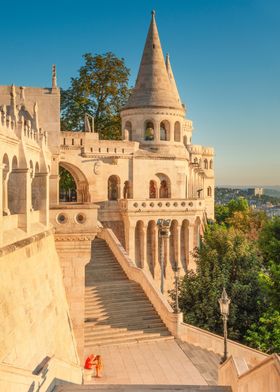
(177, 249)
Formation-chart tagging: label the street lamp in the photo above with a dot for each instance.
(224, 302)
(163, 233)
(176, 270)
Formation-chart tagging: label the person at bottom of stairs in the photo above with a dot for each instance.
(94, 362)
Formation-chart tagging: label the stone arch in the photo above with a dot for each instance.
(14, 183)
(151, 247)
(185, 245)
(114, 184)
(165, 186)
(128, 130)
(195, 160)
(164, 130)
(211, 164)
(81, 183)
(153, 190)
(6, 172)
(139, 244)
(177, 131)
(209, 191)
(205, 164)
(149, 130)
(173, 244)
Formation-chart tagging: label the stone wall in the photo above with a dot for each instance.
(34, 314)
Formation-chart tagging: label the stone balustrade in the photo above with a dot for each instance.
(167, 205)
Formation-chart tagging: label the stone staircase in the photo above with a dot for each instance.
(142, 388)
(116, 309)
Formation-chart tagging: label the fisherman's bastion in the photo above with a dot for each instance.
(89, 272)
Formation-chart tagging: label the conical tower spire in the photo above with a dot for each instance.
(171, 78)
(153, 87)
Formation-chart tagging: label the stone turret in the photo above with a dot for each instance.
(154, 114)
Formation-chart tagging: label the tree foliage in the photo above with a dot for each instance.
(228, 259)
(100, 89)
(240, 252)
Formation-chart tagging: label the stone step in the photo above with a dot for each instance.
(100, 297)
(123, 321)
(112, 307)
(128, 339)
(124, 332)
(141, 388)
(105, 327)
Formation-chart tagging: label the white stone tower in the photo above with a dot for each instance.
(154, 114)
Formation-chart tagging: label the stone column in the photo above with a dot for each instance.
(178, 250)
(5, 180)
(156, 254)
(157, 132)
(25, 199)
(172, 131)
(144, 263)
(44, 197)
(131, 240)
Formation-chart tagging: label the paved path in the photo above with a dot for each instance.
(150, 363)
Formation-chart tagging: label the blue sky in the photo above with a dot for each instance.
(224, 53)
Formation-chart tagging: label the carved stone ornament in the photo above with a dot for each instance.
(97, 167)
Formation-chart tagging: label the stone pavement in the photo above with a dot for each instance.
(159, 362)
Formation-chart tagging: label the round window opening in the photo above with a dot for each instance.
(80, 218)
(61, 218)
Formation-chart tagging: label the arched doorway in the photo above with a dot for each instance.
(114, 187)
(173, 244)
(73, 185)
(153, 190)
(67, 186)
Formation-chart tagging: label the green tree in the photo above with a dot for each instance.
(101, 89)
(265, 334)
(226, 258)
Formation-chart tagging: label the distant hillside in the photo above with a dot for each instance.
(273, 191)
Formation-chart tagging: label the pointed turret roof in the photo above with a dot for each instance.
(171, 78)
(153, 86)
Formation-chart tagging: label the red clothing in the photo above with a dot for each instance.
(88, 363)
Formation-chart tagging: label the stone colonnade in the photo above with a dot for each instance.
(144, 246)
(23, 191)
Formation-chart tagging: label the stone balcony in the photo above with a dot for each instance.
(162, 205)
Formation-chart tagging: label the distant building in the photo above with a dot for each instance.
(255, 191)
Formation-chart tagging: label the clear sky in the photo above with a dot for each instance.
(225, 56)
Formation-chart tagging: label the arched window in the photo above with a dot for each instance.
(211, 164)
(205, 164)
(195, 160)
(128, 131)
(149, 131)
(164, 130)
(113, 188)
(163, 190)
(177, 132)
(153, 190)
(209, 191)
(67, 186)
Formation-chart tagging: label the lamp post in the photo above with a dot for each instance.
(176, 270)
(163, 233)
(224, 302)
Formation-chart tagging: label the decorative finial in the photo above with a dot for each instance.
(54, 76)
(153, 13)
